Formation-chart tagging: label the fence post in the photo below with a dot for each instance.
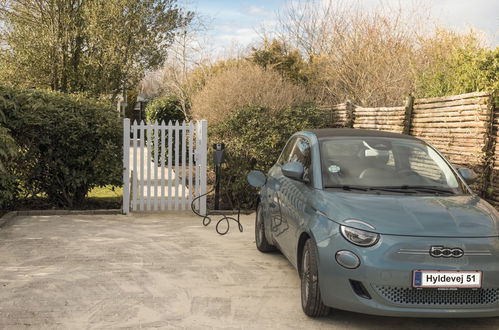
(203, 158)
(489, 150)
(409, 106)
(350, 115)
(126, 166)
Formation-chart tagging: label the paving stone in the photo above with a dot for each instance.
(157, 271)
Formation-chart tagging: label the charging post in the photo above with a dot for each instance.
(218, 160)
(223, 224)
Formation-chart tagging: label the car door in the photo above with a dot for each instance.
(275, 180)
(293, 197)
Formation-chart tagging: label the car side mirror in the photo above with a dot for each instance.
(468, 175)
(256, 179)
(293, 170)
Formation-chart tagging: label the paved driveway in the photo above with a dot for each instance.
(157, 271)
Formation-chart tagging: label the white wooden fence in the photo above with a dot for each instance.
(164, 166)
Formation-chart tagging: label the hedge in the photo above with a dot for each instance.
(167, 108)
(67, 144)
(254, 137)
(164, 109)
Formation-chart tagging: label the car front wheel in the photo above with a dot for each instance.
(262, 244)
(311, 299)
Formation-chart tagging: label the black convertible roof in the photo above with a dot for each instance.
(333, 132)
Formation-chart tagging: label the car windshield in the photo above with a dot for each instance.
(389, 164)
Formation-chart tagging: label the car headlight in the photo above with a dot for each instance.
(359, 237)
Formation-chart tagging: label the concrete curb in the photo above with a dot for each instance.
(11, 215)
(7, 217)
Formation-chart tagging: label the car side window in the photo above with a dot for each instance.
(301, 153)
(286, 152)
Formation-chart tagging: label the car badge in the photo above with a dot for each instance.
(445, 252)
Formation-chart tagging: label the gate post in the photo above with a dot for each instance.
(126, 166)
(203, 133)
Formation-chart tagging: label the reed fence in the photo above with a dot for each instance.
(463, 127)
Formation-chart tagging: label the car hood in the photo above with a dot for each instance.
(449, 216)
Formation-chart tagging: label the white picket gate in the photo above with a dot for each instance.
(164, 166)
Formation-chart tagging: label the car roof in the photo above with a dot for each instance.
(324, 133)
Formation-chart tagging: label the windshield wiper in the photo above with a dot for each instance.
(363, 188)
(394, 189)
(348, 187)
(405, 189)
(432, 189)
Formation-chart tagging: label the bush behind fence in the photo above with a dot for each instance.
(463, 127)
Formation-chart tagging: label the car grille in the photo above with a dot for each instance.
(413, 296)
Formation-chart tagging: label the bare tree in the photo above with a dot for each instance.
(362, 55)
(188, 50)
(311, 26)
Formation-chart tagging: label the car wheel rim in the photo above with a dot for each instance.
(306, 275)
(259, 223)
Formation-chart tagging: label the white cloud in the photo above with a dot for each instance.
(259, 11)
(240, 22)
(243, 35)
(462, 15)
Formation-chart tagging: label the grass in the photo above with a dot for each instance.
(105, 197)
(107, 192)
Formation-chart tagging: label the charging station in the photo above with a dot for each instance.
(223, 225)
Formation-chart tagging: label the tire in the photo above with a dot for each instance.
(262, 244)
(311, 299)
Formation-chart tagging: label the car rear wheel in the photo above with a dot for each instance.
(262, 244)
(311, 299)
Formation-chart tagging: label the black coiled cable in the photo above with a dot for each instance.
(207, 219)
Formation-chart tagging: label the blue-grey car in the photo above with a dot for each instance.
(379, 223)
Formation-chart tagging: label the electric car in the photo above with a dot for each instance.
(379, 223)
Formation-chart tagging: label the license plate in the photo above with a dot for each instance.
(446, 279)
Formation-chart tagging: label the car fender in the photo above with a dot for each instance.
(320, 229)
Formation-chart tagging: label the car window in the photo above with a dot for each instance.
(384, 162)
(286, 151)
(301, 153)
(421, 163)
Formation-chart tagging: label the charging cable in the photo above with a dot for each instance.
(225, 219)
(218, 159)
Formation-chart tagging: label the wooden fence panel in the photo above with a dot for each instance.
(336, 115)
(458, 126)
(493, 154)
(383, 118)
(463, 127)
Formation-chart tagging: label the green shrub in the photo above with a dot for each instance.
(7, 144)
(462, 70)
(254, 137)
(67, 144)
(165, 108)
(8, 189)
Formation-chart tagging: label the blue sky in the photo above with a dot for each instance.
(239, 21)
